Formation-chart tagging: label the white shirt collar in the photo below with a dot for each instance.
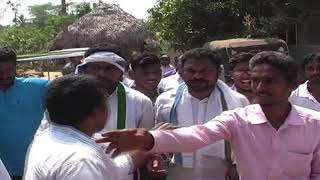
(70, 131)
(303, 90)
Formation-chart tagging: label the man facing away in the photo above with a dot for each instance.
(199, 100)
(65, 150)
(21, 110)
(272, 139)
(308, 94)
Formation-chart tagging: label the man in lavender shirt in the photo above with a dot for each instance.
(272, 139)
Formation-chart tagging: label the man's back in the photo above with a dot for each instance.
(61, 152)
(21, 110)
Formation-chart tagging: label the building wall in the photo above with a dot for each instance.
(309, 29)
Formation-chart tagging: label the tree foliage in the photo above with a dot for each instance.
(25, 39)
(81, 9)
(34, 35)
(188, 23)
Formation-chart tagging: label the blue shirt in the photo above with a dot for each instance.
(21, 110)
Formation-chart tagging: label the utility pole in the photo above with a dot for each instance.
(63, 7)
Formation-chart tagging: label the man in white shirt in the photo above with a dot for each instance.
(308, 94)
(166, 67)
(4, 175)
(202, 98)
(128, 108)
(65, 150)
(173, 81)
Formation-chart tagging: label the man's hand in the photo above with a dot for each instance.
(127, 140)
(158, 165)
(232, 173)
(165, 126)
(139, 157)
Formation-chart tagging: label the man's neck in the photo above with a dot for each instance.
(150, 94)
(111, 90)
(277, 115)
(86, 129)
(314, 89)
(201, 94)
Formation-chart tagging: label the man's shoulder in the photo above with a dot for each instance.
(299, 91)
(136, 95)
(237, 95)
(238, 98)
(33, 81)
(307, 114)
(67, 147)
(167, 96)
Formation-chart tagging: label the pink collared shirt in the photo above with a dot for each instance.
(261, 152)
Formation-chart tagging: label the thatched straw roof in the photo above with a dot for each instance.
(107, 23)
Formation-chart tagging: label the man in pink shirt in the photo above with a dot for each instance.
(271, 140)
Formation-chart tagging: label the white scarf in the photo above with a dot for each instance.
(107, 57)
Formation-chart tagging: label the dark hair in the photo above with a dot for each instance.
(200, 53)
(310, 57)
(144, 60)
(239, 58)
(73, 98)
(8, 55)
(279, 60)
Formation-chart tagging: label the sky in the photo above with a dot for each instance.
(137, 8)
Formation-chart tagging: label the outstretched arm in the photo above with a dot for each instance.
(178, 140)
(191, 138)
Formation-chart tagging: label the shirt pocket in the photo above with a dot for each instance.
(298, 164)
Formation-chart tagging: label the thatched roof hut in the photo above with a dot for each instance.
(107, 23)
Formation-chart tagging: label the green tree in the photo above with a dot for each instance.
(35, 35)
(41, 13)
(81, 9)
(25, 39)
(188, 23)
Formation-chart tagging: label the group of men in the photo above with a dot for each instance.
(207, 129)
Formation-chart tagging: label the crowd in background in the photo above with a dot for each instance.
(264, 125)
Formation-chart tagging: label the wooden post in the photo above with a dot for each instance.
(63, 7)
